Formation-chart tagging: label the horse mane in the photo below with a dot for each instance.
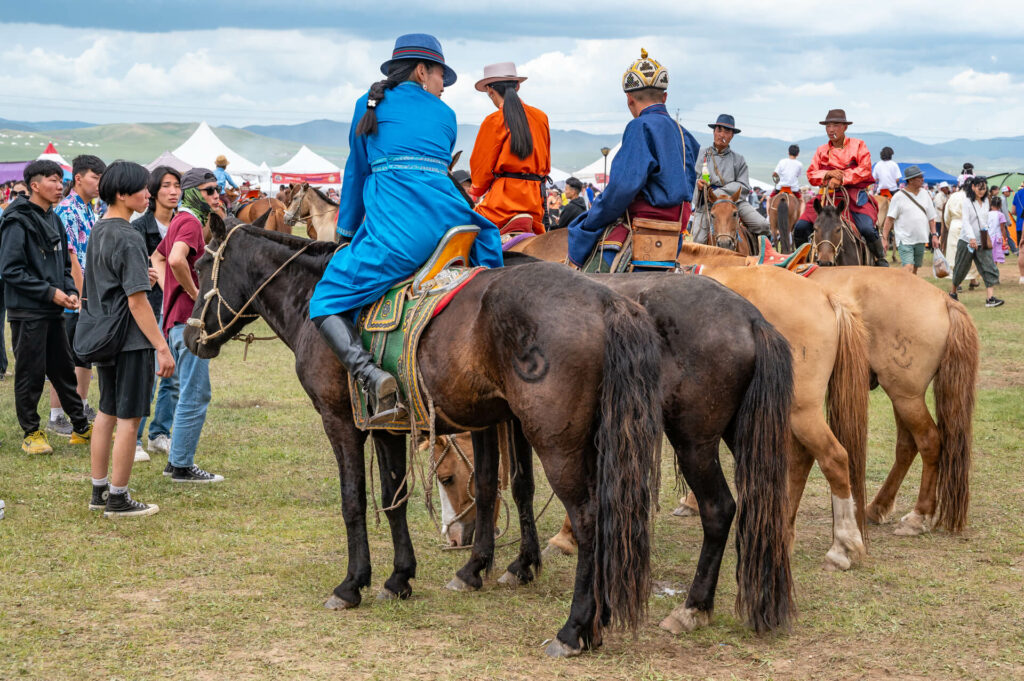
(313, 248)
(324, 197)
(703, 250)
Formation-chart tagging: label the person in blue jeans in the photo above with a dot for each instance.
(164, 194)
(176, 257)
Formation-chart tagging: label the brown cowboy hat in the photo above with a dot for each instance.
(836, 116)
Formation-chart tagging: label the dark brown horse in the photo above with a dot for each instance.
(745, 364)
(836, 241)
(493, 354)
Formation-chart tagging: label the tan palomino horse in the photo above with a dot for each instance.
(917, 336)
(829, 348)
(783, 211)
(310, 205)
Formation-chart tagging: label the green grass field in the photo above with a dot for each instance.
(228, 581)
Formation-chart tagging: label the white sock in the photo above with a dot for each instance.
(55, 412)
(114, 489)
(99, 483)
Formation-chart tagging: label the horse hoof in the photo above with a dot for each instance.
(558, 649)
(685, 511)
(835, 559)
(458, 585)
(878, 516)
(510, 580)
(386, 594)
(335, 603)
(685, 619)
(554, 550)
(912, 525)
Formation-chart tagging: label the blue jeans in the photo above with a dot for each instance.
(193, 398)
(163, 412)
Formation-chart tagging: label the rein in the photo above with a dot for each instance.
(829, 199)
(708, 205)
(214, 292)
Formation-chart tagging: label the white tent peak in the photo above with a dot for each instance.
(307, 161)
(203, 147)
(589, 173)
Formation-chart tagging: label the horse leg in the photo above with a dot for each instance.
(800, 462)
(879, 511)
(521, 471)
(915, 417)
(579, 631)
(485, 464)
(563, 543)
(391, 459)
(347, 442)
(847, 542)
(703, 473)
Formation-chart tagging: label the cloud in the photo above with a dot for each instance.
(971, 81)
(816, 89)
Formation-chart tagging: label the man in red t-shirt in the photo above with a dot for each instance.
(174, 261)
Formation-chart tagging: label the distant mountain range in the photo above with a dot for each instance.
(570, 149)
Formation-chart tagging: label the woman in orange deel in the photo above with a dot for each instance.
(512, 154)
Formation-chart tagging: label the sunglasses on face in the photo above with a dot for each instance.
(19, 193)
(209, 191)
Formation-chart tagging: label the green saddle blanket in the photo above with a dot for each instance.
(391, 330)
(615, 239)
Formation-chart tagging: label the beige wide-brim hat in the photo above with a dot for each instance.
(221, 161)
(494, 73)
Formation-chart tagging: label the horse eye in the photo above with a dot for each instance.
(446, 480)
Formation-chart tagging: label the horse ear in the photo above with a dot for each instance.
(217, 228)
(261, 221)
(817, 205)
(735, 196)
(455, 160)
(841, 204)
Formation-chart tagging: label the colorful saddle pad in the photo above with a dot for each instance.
(616, 239)
(391, 330)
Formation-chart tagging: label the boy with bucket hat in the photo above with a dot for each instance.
(843, 163)
(727, 173)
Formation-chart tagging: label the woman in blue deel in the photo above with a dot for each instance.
(396, 203)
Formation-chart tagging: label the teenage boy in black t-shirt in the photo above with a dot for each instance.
(118, 277)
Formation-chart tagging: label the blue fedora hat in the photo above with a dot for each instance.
(423, 47)
(725, 121)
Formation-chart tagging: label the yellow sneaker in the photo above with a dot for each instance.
(35, 443)
(83, 437)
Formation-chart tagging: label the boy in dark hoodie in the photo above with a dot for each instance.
(36, 270)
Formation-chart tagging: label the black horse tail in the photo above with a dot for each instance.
(847, 400)
(628, 436)
(764, 597)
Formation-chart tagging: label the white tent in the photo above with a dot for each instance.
(169, 159)
(308, 166)
(594, 171)
(758, 184)
(203, 147)
(558, 176)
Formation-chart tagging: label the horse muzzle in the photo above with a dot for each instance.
(726, 242)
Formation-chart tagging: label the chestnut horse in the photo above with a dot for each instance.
(248, 213)
(829, 364)
(310, 205)
(744, 363)
(492, 354)
(783, 212)
(725, 230)
(917, 336)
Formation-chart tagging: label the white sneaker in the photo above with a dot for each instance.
(1021, 282)
(140, 454)
(161, 444)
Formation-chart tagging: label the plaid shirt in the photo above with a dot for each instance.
(78, 218)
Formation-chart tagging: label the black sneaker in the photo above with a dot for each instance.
(60, 426)
(99, 497)
(954, 296)
(90, 413)
(994, 302)
(193, 474)
(168, 469)
(122, 505)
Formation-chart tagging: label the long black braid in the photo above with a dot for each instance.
(400, 71)
(520, 137)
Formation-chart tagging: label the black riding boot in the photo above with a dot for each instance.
(380, 387)
(876, 250)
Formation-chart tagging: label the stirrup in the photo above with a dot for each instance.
(393, 410)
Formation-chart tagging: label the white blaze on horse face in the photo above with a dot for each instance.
(448, 514)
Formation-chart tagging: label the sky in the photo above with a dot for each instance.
(932, 71)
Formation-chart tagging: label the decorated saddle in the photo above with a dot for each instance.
(797, 262)
(391, 328)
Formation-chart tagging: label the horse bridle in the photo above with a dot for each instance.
(829, 199)
(712, 238)
(453, 445)
(214, 292)
(290, 216)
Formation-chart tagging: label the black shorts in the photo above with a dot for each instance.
(126, 385)
(70, 324)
